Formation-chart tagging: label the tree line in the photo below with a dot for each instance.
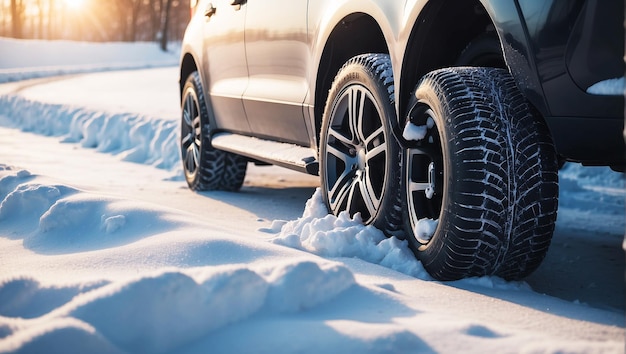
(95, 20)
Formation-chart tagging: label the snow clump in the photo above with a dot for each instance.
(332, 236)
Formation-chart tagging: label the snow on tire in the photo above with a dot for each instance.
(480, 177)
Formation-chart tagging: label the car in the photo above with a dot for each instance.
(440, 122)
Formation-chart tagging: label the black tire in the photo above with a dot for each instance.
(205, 167)
(486, 170)
(359, 156)
(483, 51)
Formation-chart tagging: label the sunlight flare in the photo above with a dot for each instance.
(74, 4)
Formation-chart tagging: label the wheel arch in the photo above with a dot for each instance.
(187, 66)
(432, 26)
(456, 24)
(353, 34)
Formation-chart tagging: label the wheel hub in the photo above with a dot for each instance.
(361, 159)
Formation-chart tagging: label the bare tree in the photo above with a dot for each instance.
(3, 18)
(51, 17)
(17, 17)
(156, 7)
(41, 18)
(132, 17)
(166, 24)
(161, 21)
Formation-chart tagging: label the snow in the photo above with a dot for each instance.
(104, 249)
(417, 132)
(615, 87)
(425, 228)
(414, 132)
(29, 59)
(136, 136)
(329, 236)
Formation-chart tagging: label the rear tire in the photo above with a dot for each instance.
(483, 51)
(205, 167)
(486, 171)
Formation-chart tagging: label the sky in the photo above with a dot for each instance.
(104, 249)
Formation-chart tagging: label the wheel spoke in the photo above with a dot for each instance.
(197, 130)
(419, 186)
(189, 110)
(187, 139)
(375, 138)
(355, 114)
(341, 191)
(192, 158)
(187, 117)
(341, 138)
(368, 193)
(347, 159)
(349, 198)
(378, 150)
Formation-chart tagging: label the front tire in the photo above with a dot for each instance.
(359, 156)
(205, 167)
(481, 182)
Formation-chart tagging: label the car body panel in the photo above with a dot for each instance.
(573, 46)
(225, 70)
(270, 80)
(277, 54)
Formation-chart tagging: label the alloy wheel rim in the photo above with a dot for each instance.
(191, 134)
(356, 154)
(425, 173)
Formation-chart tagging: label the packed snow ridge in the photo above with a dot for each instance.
(134, 137)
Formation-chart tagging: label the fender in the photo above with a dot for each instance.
(507, 19)
(192, 40)
(322, 25)
(512, 30)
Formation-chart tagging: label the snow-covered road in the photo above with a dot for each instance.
(104, 249)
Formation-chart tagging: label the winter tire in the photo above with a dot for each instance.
(484, 51)
(205, 168)
(481, 179)
(359, 157)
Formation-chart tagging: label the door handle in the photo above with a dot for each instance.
(210, 10)
(237, 4)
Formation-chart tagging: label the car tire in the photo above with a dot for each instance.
(481, 184)
(359, 156)
(484, 51)
(205, 167)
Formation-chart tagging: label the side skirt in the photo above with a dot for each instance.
(295, 157)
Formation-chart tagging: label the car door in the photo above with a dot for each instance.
(225, 66)
(278, 55)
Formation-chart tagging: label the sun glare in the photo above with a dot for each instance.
(74, 4)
